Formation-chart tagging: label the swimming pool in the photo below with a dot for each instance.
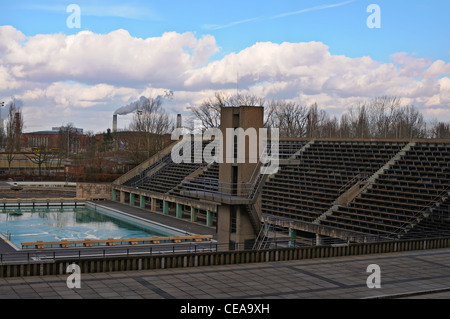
(28, 224)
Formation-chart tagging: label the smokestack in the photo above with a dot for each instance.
(179, 121)
(115, 123)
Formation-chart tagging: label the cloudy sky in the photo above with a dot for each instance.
(307, 51)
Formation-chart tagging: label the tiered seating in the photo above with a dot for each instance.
(288, 148)
(206, 181)
(400, 194)
(209, 180)
(137, 179)
(307, 190)
(306, 187)
(168, 176)
(435, 224)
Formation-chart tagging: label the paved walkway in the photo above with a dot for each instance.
(420, 274)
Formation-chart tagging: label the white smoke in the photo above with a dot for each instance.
(137, 105)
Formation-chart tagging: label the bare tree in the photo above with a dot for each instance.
(314, 120)
(208, 112)
(66, 139)
(289, 117)
(381, 117)
(439, 129)
(42, 156)
(151, 122)
(409, 123)
(382, 113)
(14, 128)
(330, 127)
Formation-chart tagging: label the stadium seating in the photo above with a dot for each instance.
(407, 184)
(307, 190)
(400, 195)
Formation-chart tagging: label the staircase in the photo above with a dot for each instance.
(262, 240)
(424, 213)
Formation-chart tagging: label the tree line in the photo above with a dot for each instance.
(383, 117)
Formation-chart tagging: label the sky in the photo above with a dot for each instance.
(79, 61)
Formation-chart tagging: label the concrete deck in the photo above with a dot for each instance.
(158, 217)
(418, 274)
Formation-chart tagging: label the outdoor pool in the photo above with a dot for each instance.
(27, 224)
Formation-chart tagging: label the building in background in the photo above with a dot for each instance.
(70, 139)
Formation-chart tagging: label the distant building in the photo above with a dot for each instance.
(72, 140)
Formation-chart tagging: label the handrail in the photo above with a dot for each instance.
(46, 199)
(432, 203)
(144, 174)
(141, 167)
(357, 178)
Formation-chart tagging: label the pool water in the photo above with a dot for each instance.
(69, 223)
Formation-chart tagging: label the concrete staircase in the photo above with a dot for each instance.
(392, 161)
(361, 185)
(425, 213)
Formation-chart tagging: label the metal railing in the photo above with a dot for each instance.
(150, 171)
(40, 256)
(353, 181)
(50, 255)
(432, 203)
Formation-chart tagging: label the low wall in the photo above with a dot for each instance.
(112, 264)
(94, 191)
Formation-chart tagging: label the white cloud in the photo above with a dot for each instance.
(116, 57)
(84, 78)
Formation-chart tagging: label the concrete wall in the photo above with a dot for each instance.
(94, 191)
(112, 264)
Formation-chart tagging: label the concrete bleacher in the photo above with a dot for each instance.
(401, 196)
(207, 181)
(164, 175)
(406, 184)
(306, 190)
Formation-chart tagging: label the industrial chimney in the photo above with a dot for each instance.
(179, 121)
(115, 123)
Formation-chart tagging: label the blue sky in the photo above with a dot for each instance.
(419, 27)
(413, 36)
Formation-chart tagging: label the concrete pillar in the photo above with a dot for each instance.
(293, 236)
(122, 197)
(153, 204)
(165, 208)
(131, 199)
(193, 214)
(319, 240)
(179, 211)
(141, 201)
(114, 195)
(208, 218)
